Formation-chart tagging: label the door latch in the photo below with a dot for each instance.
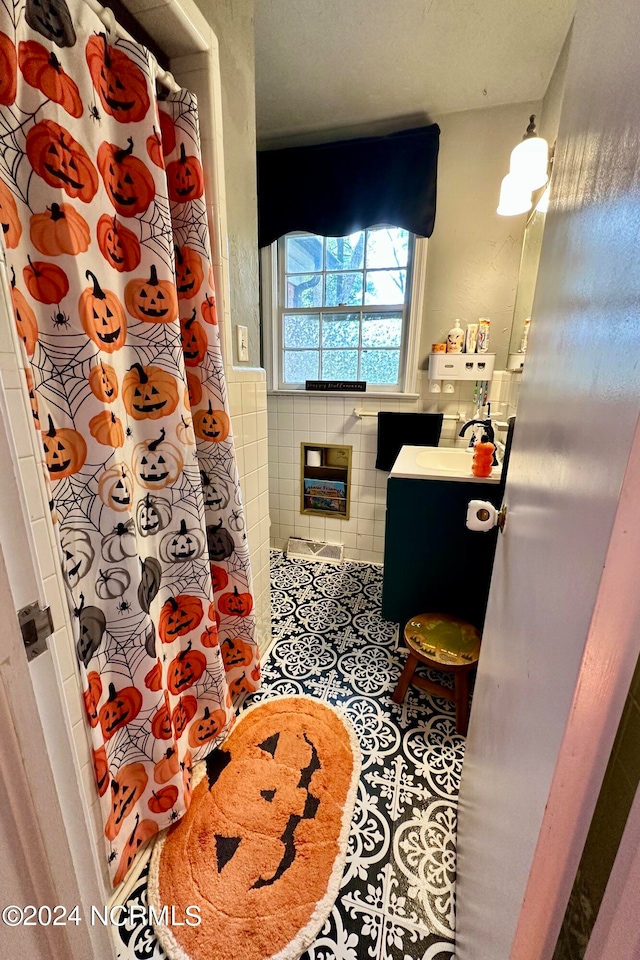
(483, 516)
(35, 625)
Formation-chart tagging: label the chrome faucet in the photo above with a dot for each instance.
(488, 435)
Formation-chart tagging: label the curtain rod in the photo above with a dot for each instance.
(114, 30)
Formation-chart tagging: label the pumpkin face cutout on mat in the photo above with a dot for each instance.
(235, 604)
(65, 451)
(61, 161)
(149, 392)
(115, 487)
(126, 789)
(189, 272)
(8, 71)
(207, 727)
(128, 183)
(118, 245)
(103, 381)
(91, 625)
(184, 178)
(179, 616)
(42, 70)
(77, 554)
(51, 19)
(120, 84)
(9, 218)
(219, 541)
(143, 831)
(156, 463)
(149, 586)
(186, 544)
(194, 341)
(185, 669)
(153, 514)
(60, 229)
(152, 300)
(211, 425)
(121, 708)
(102, 316)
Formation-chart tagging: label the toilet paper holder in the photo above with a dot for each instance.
(482, 516)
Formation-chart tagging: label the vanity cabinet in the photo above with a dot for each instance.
(432, 563)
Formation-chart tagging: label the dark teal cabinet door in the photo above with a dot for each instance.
(432, 563)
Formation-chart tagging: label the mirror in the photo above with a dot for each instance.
(527, 276)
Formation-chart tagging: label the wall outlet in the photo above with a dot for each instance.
(242, 343)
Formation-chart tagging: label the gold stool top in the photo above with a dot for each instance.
(445, 640)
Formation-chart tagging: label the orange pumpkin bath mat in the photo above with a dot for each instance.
(262, 847)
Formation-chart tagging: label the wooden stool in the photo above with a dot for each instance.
(446, 644)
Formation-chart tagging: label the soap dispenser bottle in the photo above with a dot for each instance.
(455, 338)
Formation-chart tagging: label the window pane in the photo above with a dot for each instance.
(343, 289)
(387, 247)
(381, 329)
(386, 286)
(304, 290)
(380, 366)
(302, 330)
(341, 330)
(339, 364)
(303, 254)
(346, 253)
(300, 365)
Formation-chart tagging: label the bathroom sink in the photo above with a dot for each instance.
(444, 463)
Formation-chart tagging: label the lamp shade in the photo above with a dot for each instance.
(515, 197)
(530, 162)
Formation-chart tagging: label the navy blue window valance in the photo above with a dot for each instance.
(334, 189)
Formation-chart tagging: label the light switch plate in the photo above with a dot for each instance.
(242, 343)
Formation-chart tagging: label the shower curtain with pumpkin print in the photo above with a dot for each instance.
(104, 223)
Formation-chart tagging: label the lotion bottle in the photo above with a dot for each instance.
(455, 338)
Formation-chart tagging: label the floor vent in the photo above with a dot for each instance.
(298, 549)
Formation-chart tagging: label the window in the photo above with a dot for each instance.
(340, 307)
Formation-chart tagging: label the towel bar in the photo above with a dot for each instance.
(374, 413)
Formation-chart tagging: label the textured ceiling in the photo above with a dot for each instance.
(327, 64)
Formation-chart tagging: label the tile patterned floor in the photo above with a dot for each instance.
(397, 899)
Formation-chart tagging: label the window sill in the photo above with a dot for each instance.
(352, 394)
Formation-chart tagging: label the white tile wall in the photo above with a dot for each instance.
(296, 420)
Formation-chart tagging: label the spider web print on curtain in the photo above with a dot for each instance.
(149, 521)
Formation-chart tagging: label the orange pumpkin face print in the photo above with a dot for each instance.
(100, 770)
(207, 727)
(142, 831)
(120, 84)
(167, 767)
(65, 451)
(194, 389)
(26, 323)
(91, 696)
(121, 708)
(103, 381)
(118, 245)
(126, 789)
(154, 149)
(194, 340)
(209, 310)
(107, 429)
(61, 161)
(162, 800)
(179, 616)
(102, 317)
(183, 713)
(33, 399)
(167, 133)
(161, 726)
(235, 604)
(116, 487)
(128, 183)
(9, 218)
(152, 300)
(236, 653)
(149, 392)
(189, 272)
(184, 178)
(185, 670)
(60, 229)
(42, 69)
(211, 425)
(8, 71)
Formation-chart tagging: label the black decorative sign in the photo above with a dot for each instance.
(350, 386)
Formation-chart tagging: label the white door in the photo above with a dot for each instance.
(563, 623)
